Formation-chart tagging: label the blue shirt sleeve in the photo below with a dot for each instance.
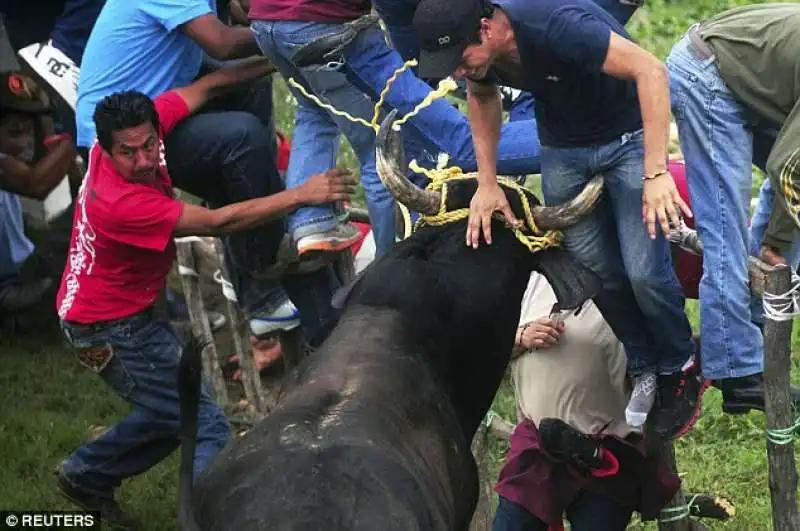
(576, 36)
(173, 13)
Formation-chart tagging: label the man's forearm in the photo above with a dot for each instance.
(230, 77)
(198, 221)
(653, 89)
(485, 116)
(240, 43)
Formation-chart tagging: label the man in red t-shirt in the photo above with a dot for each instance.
(122, 248)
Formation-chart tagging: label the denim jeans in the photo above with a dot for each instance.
(369, 62)
(226, 156)
(642, 299)
(143, 371)
(717, 135)
(758, 227)
(316, 134)
(589, 512)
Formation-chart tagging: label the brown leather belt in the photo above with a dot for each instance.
(701, 48)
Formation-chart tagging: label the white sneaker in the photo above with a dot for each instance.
(54, 68)
(286, 318)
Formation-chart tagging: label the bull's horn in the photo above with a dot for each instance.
(566, 214)
(393, 170)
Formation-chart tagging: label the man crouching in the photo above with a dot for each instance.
(122, 248)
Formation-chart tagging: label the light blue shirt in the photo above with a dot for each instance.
(137, 45)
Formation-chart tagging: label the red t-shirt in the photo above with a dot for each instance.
(309, 10)
(121, 247)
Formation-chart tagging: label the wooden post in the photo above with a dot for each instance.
(251, 380)
(777, 367)
(199, 319)
(482, 517)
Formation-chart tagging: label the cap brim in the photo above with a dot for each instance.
(439, 64)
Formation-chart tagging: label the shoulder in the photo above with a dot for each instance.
(171, 109)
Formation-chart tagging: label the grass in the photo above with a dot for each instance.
(51, 404)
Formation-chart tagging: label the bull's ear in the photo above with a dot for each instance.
(572, 282)
(342, 294)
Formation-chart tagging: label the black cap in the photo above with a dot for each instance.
(445, 28)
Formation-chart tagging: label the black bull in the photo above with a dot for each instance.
(373, 430)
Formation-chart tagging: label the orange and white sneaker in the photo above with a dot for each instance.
(341, 237)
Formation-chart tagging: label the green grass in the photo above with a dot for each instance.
(50, 403)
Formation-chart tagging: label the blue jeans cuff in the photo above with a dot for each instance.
(301, 224)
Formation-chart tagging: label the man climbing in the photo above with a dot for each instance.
(601, 106)
(121, 252)
(736, 102)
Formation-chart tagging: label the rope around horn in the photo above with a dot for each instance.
(532, 237)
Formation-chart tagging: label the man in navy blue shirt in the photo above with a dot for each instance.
(602, 106)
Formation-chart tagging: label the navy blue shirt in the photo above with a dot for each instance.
(562, 47)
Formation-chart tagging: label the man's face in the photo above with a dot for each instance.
(16, 136)
(475, 61)
(135, 152)
(478, 58)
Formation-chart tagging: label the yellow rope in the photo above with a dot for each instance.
(440, 177)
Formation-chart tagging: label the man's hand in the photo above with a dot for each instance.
(659, 198)
(541, 333)
(333, 185)
(485, 202)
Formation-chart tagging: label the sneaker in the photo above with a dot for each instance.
(746, 393)
(740, 395)
(341, 237)
(567, 445)
(109, 509)
(678, 402)
(286, 317)
(51, 66)
(642, 399)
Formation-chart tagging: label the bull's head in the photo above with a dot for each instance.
(393, 170)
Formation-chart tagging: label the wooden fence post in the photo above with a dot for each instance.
(777, 367)
(251, 380)
(197, 314)
(482, 517)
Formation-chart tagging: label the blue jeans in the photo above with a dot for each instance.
(316, 133)
(758, 227)
(642, 300)
(588, 512)
(226, 156)
(369, 62)
(717, 135)
(143, 371)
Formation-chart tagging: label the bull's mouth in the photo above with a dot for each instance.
(393, 170)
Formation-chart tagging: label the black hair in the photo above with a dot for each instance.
(120, 111)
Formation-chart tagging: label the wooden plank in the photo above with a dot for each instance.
(777, 367)
(199, 319)
(483, 515)
(251, 380)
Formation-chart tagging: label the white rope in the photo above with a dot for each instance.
(227, 287)
(187, 239)
(783, 307)
(186, 271)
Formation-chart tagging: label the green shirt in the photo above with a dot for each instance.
(758, 56)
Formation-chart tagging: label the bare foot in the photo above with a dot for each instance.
(265, 351)
(771, 256)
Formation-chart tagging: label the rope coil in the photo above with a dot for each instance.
(227, 288)
(785, 306)
(673, 514)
